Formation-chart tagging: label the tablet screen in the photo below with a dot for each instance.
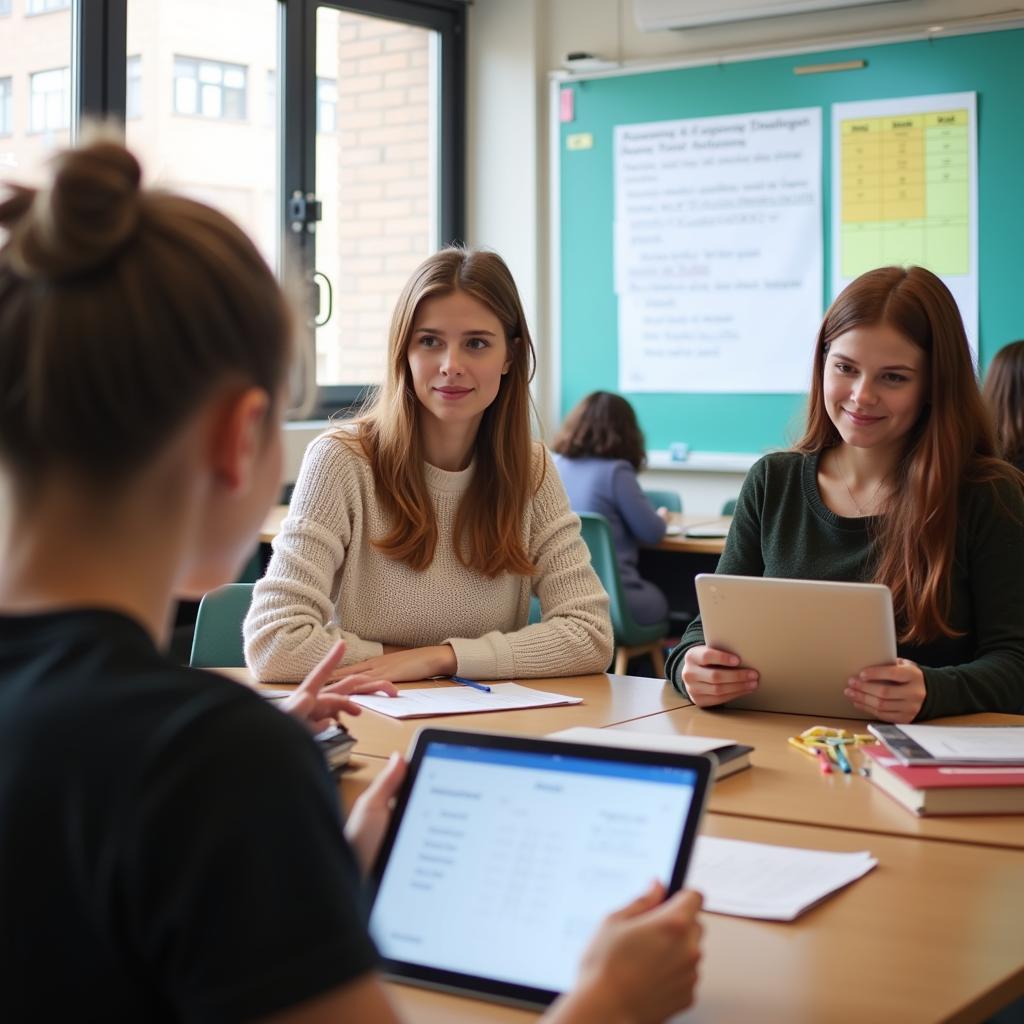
(506, 861)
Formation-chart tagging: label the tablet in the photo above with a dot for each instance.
(806, 638)
(505, 853)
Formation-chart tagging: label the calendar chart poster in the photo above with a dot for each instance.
(905, 191)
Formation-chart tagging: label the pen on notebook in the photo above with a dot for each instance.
(471, 682)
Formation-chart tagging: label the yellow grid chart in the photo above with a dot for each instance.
(905, 192)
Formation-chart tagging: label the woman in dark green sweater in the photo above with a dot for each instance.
(895, 481)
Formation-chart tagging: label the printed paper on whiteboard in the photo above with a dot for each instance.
(905, 191)
(718, 252)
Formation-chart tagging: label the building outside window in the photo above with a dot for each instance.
(6, 106)
(50, 106)
(326, 104)
(133, 88)
(43, 6)
(209, 88)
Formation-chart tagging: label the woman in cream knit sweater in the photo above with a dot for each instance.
(418, 532)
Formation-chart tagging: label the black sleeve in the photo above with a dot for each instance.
(242, 896)
(994, 554)
(742, 556)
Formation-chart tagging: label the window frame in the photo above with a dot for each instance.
(222, 66)
(448, 19)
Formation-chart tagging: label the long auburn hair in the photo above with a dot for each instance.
(603, 425)
(1004, 393)
(489, 519)
(951, 443)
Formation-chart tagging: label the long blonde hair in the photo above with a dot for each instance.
(488, 522)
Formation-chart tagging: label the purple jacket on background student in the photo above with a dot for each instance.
(610, 487)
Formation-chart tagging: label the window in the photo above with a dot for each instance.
(5, 8)
(43, 6)
(6, 107)
(326, 104)
(209, 88)
(133, 89)
(222, 148)
(50, 109)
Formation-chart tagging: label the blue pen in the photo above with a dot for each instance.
(471, 682)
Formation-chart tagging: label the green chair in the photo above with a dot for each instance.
(631, 639)
(729, 508)
(217, 641)
(668, 499)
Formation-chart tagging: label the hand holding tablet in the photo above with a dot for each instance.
(506, 856)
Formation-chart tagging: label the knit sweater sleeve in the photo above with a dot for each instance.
(575, 633)
(290, 626)
(742, 556)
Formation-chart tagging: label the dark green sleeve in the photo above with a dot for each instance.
(742, 557)
(993, 680)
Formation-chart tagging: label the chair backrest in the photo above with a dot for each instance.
(217, 641)
(729, 508)
(669, 499)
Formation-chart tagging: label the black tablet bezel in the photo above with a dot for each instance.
(503, 991)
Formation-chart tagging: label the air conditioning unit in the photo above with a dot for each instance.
(656, 15)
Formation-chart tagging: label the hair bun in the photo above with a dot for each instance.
(80, 219)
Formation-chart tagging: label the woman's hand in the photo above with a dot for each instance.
(663, 513)
(317, 705)
(890, 693)
(406, 666)
(370, 814)
(711, 677)
(641, 965)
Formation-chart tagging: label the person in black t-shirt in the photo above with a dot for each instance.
(171, 847)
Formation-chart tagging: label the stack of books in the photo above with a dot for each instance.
(950, 769)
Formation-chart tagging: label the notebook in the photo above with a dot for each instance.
(428, 701)
(953, 744)
(730, 756)
(947, 789)
(505, 853)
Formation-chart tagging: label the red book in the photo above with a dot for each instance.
(947, 789)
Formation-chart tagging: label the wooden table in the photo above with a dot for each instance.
(931, 934)
(680, 543)
(607, 700)
(785, 785)
(676, 542)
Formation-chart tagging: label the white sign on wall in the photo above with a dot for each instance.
(718, 252)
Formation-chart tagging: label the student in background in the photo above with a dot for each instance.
(418, 531)
(598, 453)
(896, 481)
(170, 843)
(1004, 392)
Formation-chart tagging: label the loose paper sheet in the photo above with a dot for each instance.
(461, 700)
(718, 251)
(776, 883)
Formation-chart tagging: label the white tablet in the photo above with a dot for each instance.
(806, 638)
(505, 853)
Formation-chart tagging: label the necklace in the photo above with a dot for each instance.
(871, 500)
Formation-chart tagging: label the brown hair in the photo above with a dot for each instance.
(952, 442)
(121, 308)
(488, 523)
(603, 425)
(1004, 393)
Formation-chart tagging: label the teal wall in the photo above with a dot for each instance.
(990, 64)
